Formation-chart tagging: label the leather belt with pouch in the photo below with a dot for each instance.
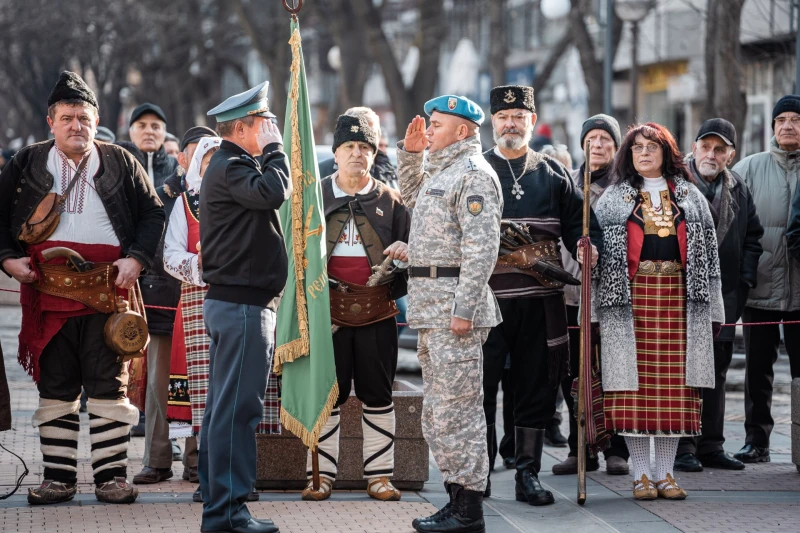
(355, 305)
(540, 260)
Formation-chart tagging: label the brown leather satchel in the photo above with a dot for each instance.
(45, 218)
(127, 333)
(359, 305)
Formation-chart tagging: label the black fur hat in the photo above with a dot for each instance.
(512, 97)
(354, 129)
(70, 86)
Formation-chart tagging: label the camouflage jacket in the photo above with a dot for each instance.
(457, 205)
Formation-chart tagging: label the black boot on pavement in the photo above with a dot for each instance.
(721, 459)
(687, 462)
(553, 436)
(510, 463)
(438, 514)
(529, 445)
(465, 516)
(752, 454)
(251, 526)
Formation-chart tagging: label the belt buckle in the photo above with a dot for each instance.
(434, 272)
(647, 267)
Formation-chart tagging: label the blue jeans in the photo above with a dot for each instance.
(242, 343)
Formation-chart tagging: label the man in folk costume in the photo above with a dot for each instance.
(540, 196)
(366, 223)
(183, 260)
(245, 264)
(112, 218)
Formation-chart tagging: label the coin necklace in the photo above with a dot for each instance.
(516, 190)
(664, 222)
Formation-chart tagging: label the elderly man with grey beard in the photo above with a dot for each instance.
(541, 205)
(738, 234)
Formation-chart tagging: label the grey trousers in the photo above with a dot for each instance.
(157, 447)
(240, 354)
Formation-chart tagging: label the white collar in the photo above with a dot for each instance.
(339, 193)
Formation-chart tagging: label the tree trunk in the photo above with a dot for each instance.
(498, 45)
(724, 95)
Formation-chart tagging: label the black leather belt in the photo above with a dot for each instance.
(434, 272)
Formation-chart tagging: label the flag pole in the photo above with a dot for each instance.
(294, 7)
(585, 321)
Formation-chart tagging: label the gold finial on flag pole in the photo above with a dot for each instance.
(293, 7)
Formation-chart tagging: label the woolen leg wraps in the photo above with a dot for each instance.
(378, 425)
(328, 449)
(110, 425)
(58, 425)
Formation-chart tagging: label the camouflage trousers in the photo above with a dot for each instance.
(453, 421)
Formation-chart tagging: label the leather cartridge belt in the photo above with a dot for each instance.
(355, 305)
(659, 267)
(93, 288)
(434, 272)
(522, 259)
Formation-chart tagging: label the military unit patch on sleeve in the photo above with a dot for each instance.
(475, 204)
(472, 165)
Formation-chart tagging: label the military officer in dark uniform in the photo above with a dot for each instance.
(245, 265)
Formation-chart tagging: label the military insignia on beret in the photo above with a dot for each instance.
(451, 103)
(354, 129)
(475, 204)
(510, 98)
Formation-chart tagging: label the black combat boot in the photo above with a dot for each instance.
(465, 516)
(438, 514)
(529, 444)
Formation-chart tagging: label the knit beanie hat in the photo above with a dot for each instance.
(354, 129)
(602, 122)
(790, 102)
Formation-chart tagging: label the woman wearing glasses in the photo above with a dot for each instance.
(657, 297)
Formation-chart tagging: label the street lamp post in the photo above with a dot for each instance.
(634, 11)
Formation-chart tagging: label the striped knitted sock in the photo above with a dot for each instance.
(328, 449)
(59, 445)
(378, 426)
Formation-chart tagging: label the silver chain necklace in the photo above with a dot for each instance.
(516, 190)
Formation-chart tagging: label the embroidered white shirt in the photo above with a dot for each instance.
(84, 219)
(349, 244)
(179, 262)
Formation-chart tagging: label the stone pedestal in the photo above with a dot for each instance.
(282, 458)
(796, 422)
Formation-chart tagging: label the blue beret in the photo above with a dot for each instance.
(459, 106)
(248, 103)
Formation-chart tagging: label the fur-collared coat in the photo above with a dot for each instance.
(611, 292)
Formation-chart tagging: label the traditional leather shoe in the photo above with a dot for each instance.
(254, 496)
(51, 492)
(197, 496)
(148, 475)
(616, 466)
(190, 474)
(465, 516)
(643, 489)
(668, 489)
(510, 463)
(380, 488)
(553, 436)
(721, 459)
(687, 462)
(118, 490)
(752, 454)
(323, 493)
(251, 526)
(177, 454)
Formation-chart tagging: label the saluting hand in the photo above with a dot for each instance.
(415, 140)
(268, 133)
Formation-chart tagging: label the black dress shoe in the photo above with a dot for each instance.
(197, 496)
(553, 437)
(752, 454)
(721, 459)
(251, 526)
(687, 462)
(510, 463)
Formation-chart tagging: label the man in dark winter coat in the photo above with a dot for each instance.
(147, 130)
(738, 234)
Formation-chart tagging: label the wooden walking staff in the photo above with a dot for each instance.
(294, 7)
(584, 365)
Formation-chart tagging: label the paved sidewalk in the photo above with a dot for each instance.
(762, 498)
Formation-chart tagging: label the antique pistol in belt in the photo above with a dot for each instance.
(519, 250)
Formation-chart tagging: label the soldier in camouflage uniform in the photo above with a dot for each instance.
(455, 234)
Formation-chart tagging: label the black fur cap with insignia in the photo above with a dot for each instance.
(354, 129)
(70, 86)
(511, 97)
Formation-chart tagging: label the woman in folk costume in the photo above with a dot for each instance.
(190, 359)
(657, 296)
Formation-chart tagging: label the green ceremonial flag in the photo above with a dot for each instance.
(304, 353)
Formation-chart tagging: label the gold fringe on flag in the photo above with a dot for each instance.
(311, 438)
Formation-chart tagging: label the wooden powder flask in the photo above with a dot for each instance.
(126, 333)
